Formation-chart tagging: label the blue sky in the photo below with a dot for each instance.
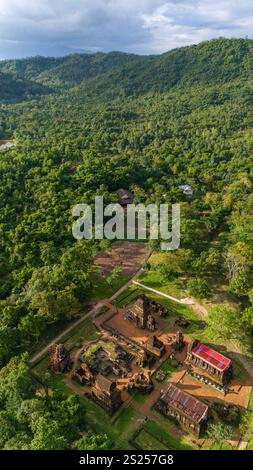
(58, 27)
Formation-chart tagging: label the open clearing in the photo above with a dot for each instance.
(129, 256)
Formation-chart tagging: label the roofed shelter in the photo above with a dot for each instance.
(190, 412)
(214, 363)
(125, 196)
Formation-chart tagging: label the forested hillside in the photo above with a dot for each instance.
(87, 124)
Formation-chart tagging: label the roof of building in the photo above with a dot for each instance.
(105, 384)
(124, 195)
(211, 356)
(189, 405)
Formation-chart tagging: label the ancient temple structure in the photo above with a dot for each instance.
(106, 394)
(187, 410)
(84, 375)
(178, 343)
(59, 359)
(141, 313)
(210, 362)
(144, 359)
(155, 346)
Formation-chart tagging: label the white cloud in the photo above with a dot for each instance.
(51, 27)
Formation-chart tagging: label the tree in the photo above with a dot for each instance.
(246, 425)
(226, 323)
(220, 433)
(21, 441)
(247, 316)
(7, 426)
(240, 282)
(114, 276)
(198, 288)
(93, 442)
(47, 435)
(16, 382)
(167, 272)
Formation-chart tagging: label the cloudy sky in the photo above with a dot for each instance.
(57, 27)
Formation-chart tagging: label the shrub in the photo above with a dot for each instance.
(198, 288)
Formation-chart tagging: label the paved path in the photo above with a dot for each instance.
(182, 301)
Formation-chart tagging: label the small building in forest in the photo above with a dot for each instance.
(186, 189)
(217, 366)
(106, 394)
(125, 197)
(187, 410)
(141, 313)
(60, 360)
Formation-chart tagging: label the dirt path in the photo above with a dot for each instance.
(64, 332)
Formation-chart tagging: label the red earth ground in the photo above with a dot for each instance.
(129, 256)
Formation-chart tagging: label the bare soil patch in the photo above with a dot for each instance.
(129, 256)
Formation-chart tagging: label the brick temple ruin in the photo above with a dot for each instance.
(155, 346)
(186, 409)
(106, 394)
(59, 359)
(126, 360)
(141, 314)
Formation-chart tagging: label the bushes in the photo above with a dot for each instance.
(230, 414)
(198, 288)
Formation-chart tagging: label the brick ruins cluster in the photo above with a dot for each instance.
(104, 364)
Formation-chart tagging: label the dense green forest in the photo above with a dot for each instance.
(86, 125)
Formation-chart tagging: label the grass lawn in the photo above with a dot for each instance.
(167, 369)
(223, 446)
(125, 418)
(101, 289)
(85, 330)
(99, 422)
(140, 397)
(153, 279)
(147, 441)
(250, 408)
(171, 442)
(71, 340)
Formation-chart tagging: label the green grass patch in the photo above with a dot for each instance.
(147, 441)
(171, 442)
(85, 330)
(167, 368)
(140, 398)
(125, 420)
(101, 289)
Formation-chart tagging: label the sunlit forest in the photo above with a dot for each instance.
(86, 125)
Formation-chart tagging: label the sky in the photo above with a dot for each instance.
(59, 27)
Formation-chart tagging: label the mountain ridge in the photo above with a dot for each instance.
(218, 60)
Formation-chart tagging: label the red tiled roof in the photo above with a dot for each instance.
(184, 402)
(211, 356)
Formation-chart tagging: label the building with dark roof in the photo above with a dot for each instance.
(212, 362)
(187, 410)
(125, 197)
